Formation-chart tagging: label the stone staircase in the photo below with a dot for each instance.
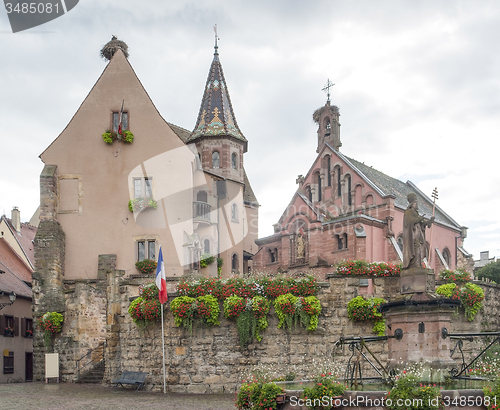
(94, 374)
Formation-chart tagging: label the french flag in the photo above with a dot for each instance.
(160, 279)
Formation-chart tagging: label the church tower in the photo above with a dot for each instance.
(218, 139)
(327, 118)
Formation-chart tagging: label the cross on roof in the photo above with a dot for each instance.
(326, 88)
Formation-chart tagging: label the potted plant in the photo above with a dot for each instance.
(9, 331)
(325, 394)
(51, 323)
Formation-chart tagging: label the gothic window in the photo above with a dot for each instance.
(116, 121)
(234, 213)
(340, 242)
(339, 183)
(345, 241)
(273, 255)
(206, 246)
(328, 170)
(146, 249)
(143, 187)
(349, 193)
(202, 196)
(447, 256)
(215, 159)
(234, 160)
(309, 194)
(318, 179)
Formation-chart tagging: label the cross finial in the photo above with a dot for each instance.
(216, 38)
(326, 88)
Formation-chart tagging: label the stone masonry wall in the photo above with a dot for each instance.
(211, 360)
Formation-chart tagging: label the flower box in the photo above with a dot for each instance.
(8, 332)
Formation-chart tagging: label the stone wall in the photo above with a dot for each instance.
(211, 360)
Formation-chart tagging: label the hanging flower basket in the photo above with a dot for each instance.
(110, 136)
(51, 323)
(140, 204)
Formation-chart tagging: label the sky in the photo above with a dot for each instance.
(417, 85)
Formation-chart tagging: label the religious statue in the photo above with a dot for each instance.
(300, 246)
(414, 248)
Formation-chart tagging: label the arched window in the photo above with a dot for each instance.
(202, 196)
(340, 242)
(234, 213)
(234, 160)
(318, 181)
(271, 255)
(328, 170)
(234, 263)
(345, 240)
(447, 256)
(309, 194)
(215, 159)
(400, 242)
(328, 127)
(206, 246)
(349, 193)
(339, 183)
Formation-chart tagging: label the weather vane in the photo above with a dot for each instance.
(326, 88)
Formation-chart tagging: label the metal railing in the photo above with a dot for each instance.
(90, 359)
(460, 337)
(358, 345)
(201, 211)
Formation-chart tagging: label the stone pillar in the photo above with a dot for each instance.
(112, 355)
(422, 340)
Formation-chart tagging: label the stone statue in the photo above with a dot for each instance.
(414, 248)
(300, 246)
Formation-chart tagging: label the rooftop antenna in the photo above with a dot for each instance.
(216, 38)
(326, 88)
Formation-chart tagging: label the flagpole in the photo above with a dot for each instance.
(163, 345)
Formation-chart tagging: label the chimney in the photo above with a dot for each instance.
(16, 219)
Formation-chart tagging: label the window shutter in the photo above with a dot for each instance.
(2, 323)
(23, 327)
(16, 326)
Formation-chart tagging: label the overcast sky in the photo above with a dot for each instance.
(417, 85)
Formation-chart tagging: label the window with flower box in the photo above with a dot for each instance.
(146, 249)
(116, 121)
(7, 324)
(26, 327)
(8, 363)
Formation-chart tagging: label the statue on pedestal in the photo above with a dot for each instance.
(414, 248)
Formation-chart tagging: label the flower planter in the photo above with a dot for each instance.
(8, 333)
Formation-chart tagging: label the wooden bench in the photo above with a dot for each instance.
(133, 378)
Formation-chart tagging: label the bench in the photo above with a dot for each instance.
(133, 378)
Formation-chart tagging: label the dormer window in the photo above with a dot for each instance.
(116, 121)
(215, 159)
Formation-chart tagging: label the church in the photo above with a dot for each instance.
(346, 210)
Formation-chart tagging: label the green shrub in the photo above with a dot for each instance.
(361, 309)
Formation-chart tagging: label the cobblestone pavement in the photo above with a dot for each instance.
(69, 396)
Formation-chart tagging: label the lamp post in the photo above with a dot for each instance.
(12, 297)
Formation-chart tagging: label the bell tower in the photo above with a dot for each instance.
(327, 118)
(218, 139)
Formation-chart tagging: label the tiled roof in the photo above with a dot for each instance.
(400, 190)
(182, 133)
(24, 238)
(216, 116)
(15, 272)
(248, 195)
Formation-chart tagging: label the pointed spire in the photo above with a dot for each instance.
(216, 116)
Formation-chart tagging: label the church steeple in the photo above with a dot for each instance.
(216, 117)
(219, 141)
(327, 118)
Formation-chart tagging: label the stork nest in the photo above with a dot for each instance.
(112, 47)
